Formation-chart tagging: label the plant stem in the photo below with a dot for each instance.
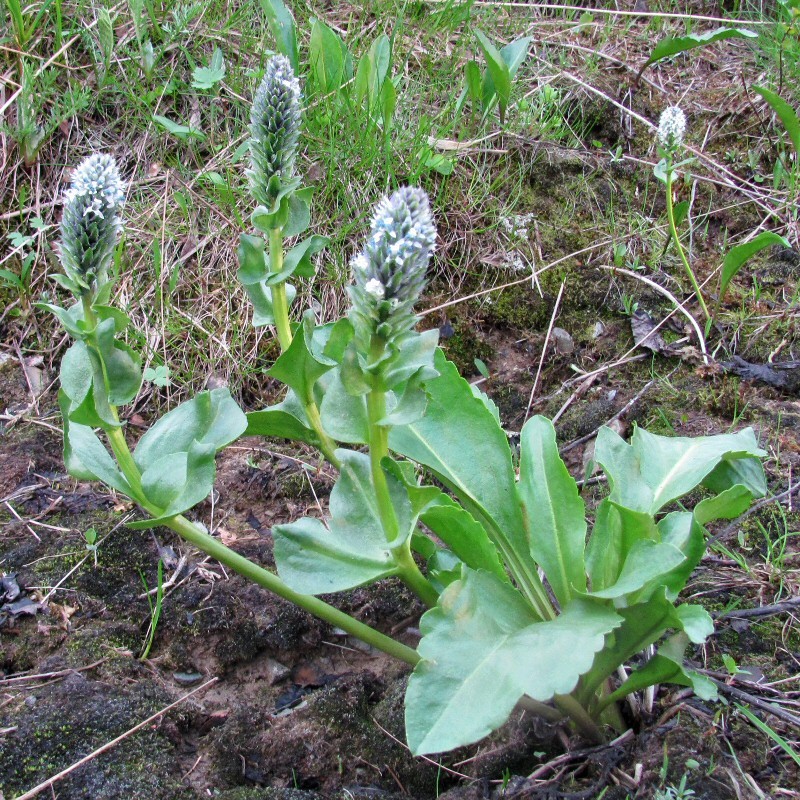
(675, 238)
(280, 306)
(408, 572)
(577, 713)
(214, 548)
(243, 566)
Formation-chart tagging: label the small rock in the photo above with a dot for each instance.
(563, 341)
(187, 678)
(599, 330)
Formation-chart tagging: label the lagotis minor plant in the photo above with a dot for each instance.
(524, 609)
(671, 130)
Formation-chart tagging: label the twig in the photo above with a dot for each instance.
(736, 524)
(671, 297)
(113, 743)
(761, 611)
(59, 674)
(544, 348)
(624, 410)
(761, 705)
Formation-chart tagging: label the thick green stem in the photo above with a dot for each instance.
(262, 577)
(577, 713)
(280, 306)
(675, 238)
(238, 563)
(408, 572)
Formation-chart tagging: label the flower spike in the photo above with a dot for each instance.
(91, 222)
(389, 273)
(671, 128)
(274, 129)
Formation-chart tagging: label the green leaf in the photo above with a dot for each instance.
(299, 212)
(472, 80)
(179, 480)
(327, 54)
(298, 260)
(616, 530)
(499, 73)
(672, 46)
(211, 418)
(85, 456)
(281, 23)
(458, 529)
(553, 510)
(388, 98)
(123, 366)
(738, 256)
(655, 470)
(695, 621)
(105, 34)
(83, 383)
(182, 132)
(313, 559)
(645, 565)
(643, 624)
(515, 53)
(667, 667)
(208, 77)
(748, 472)
(786, 114)
(300, 367)
(483, 649)
(373, 67)
(415, 357)
(344, 416)
(681, 530)
(460, 441)
(276, 215)
(729, 504)
(286, 420)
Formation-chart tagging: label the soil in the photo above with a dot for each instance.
(299, 711)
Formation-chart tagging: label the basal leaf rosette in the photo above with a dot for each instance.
(91, 223)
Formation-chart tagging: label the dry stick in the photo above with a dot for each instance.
(762, 611)
(578, 393)
(46, 675)
(100, 750)
(736, 524)
(671, 297)
(544, 347)
(624, 410)
(610, 11)
(761, 705)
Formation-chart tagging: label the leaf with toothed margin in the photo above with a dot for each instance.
(483, 649)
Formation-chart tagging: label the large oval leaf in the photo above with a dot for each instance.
(483, 649)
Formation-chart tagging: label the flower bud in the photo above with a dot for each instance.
(671, 128)
(389, 273)
(274, 127)
(90, 224)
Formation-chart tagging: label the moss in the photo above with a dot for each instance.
(61, 723)
(464, 346)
